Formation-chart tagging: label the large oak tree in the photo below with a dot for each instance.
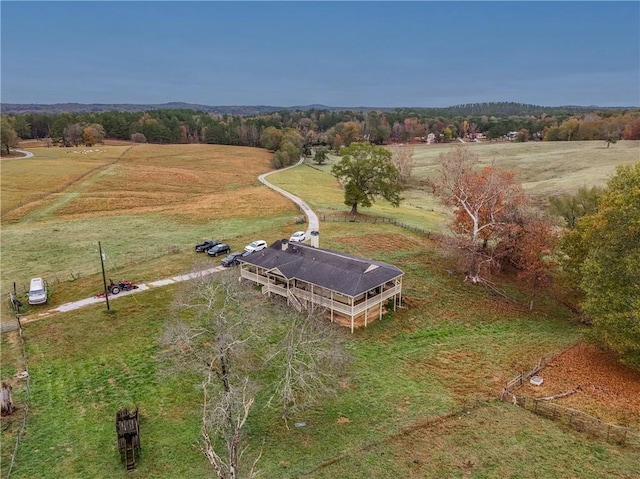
(366, 172)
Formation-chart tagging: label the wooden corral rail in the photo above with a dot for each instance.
(578, 420)
(517, 382)
(581, 421)
(128, 429)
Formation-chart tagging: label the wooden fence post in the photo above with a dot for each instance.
(6, 401)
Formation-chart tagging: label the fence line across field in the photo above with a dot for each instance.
(375, 220)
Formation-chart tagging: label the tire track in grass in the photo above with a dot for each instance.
(79, 185)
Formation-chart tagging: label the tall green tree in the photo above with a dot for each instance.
(366, 172)
(9, 138)
(320, 156)
(271, 138)
(611, 268)
(21, 126)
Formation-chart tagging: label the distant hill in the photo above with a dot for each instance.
(491, 108)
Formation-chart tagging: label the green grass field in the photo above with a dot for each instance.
(322, 192)
(452, 343)
(543, 168)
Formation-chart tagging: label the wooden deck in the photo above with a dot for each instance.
(351, 315)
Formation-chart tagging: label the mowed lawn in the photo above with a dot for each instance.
(147, 205)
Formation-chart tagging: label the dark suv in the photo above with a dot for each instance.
(219, 249)
(232, 260)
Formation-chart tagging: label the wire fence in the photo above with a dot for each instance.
(26, 399)
(114, 262)
(375, 220)
(578, 420)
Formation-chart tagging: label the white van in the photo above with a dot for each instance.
(38, 291)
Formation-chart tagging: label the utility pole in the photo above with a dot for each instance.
(104, 278)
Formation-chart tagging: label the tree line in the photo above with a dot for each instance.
(335, 128)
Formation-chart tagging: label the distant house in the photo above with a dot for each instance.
(353, 290)
(476, 135)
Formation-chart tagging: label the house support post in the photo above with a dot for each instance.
(366, 308)
(332, 306)
(351, 300)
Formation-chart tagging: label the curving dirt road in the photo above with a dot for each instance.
(27, 154)
(313, 224)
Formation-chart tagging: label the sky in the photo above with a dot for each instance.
(375, 54)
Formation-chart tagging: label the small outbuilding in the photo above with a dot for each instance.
(353, 290)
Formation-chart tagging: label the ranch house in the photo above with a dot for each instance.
(354, 291)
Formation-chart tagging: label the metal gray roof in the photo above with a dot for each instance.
(340, 272)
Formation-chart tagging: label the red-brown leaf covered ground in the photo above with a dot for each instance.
(607, 389)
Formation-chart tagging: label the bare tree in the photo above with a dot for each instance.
(225, 416)
(402, 159)
(73, 135)
(309, 360)
(224, 342)
(214, 344)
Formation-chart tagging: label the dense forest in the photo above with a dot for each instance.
(321, 125)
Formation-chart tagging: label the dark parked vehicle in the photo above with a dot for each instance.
(206, 245)
(219, 249)
(231, 260)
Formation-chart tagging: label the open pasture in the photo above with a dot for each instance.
(30, 183)
(495, 441)
(544, 168)
(147, 204)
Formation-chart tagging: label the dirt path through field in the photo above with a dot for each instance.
(73, 190)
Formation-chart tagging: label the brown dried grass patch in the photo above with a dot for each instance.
(185, 168)
(185, 181)
(608, 389)
(249, 202)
